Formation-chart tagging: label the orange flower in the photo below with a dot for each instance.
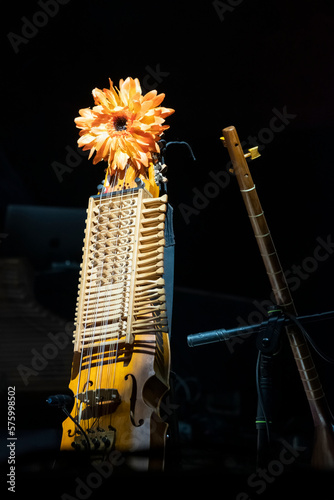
(124, 126)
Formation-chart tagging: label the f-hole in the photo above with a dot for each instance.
(133, 399)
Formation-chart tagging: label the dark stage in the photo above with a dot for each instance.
(265, 67)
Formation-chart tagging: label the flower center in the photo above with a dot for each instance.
(120, 123)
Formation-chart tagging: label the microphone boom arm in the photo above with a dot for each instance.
(221, 335)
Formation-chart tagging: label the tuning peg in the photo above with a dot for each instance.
(159, 170)
(223, 140)
(100, 188)
(253, 153)
(139, 182)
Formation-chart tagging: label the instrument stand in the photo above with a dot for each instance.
(268, 345)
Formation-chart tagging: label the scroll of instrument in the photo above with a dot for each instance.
(323, 450)
(121, 361)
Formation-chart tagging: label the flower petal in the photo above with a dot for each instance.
(131, 143)
(121, 159)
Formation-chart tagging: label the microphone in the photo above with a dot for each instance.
(221, 335)
(60, 400)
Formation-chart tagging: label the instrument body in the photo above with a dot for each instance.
(323, 451)
(121, 364)
(121, 361)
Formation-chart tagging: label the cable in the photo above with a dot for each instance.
(324, 356)
(182, 142)
(79, 427)
(61, 401)
(259, 393)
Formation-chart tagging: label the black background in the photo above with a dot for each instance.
(214, 73)
(217, 68)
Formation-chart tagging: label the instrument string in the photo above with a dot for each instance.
(91, 402)
(107, 299)
(105, 349)
(99, 310)
(84, 381)
(115, 223)
(110, 271)
(121, 277)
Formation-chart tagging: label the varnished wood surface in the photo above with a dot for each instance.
(121, 361)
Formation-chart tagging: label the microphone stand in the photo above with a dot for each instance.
(221, 335)
(268, 345)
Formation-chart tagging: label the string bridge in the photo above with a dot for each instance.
(109, 397)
